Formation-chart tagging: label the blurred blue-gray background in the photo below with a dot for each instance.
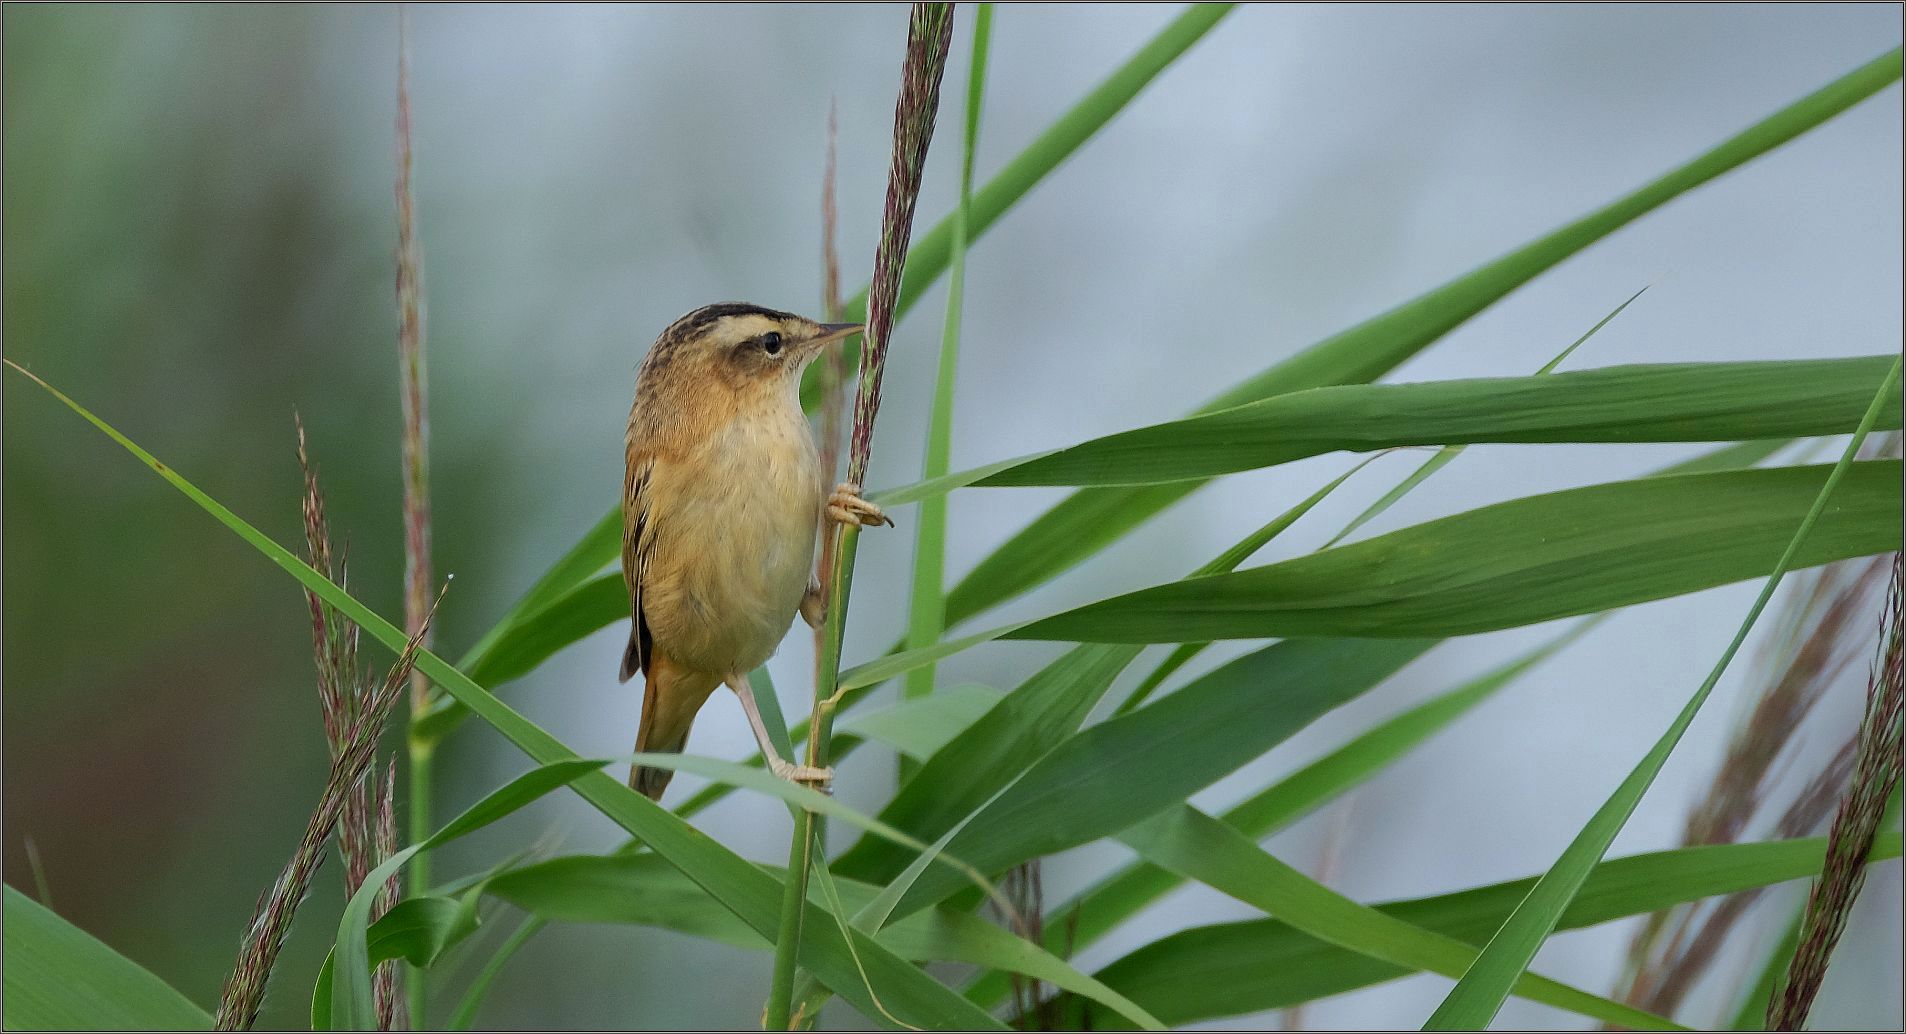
(198, 241)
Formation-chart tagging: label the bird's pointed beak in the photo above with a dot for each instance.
(832, 332)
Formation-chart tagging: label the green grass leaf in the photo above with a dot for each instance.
(352, 1003)
(1088, 521)
(59, 977)
(979, 762)
(974, 765)
(473, 996)
(1476, 998)
(1516, 563)
(1184, 652)
(959, 937)
(639, 889)
(1232, 969)
(736, 883)
(1679, 402)
(1732, 457)
(1197, 846)
(1100, 780)
(880, 669)
(1448, 453)
(1101, 907)
(1098, 909)
(597, 547)
(806, 799)
(1750, 1013)
(967, 774)
(919, 728)
(565, 619)
(417, 930)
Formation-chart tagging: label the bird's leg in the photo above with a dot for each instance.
(813, 610)
(846, 506)
(819, 778)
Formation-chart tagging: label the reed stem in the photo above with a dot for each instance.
(416, 467)
(929, 33)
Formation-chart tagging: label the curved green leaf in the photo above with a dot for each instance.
(1681, 402)
(1233, 969)
(596, 547)
(596, 603)
(1448, 453)
(59, 977)
(919, 728)
(973, 766)
(1098, 909)
(1097, 781)
(465, 1016)
(636, 888)
(417, 930)
(1195, 845)
(352, 1004)
(1517, 563)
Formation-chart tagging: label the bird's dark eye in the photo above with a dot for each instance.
(771, 343)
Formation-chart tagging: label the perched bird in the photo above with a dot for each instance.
(720, 505)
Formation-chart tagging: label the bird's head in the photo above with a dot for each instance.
(742, 345)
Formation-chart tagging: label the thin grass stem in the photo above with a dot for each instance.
(416, 472)
(929, 33)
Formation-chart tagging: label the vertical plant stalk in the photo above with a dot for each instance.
(1025, 889)
(244, 989)
(929, 33)
(1876, 774)
(362, 839)
(416, 462)
(833, 365)
(926, 615)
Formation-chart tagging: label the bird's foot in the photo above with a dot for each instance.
(846, 506)
(821, 779)
(813, 604)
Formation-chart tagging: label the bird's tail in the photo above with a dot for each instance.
(649, 781)
(669, 702)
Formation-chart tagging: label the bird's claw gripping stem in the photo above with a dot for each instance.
(846, 506)
(821, 779)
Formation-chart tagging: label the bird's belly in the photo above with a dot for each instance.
(742, 545)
